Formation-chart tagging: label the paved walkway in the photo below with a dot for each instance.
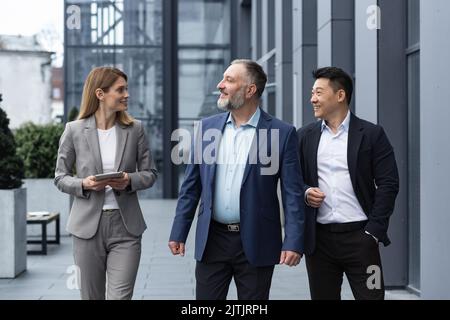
(161, 276)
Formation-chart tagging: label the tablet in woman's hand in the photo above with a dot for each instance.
(109, 175)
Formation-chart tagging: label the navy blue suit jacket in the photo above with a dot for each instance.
(261, 230)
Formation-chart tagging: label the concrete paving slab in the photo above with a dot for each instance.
(161, 276)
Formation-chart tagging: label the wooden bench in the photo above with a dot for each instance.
(44, 220)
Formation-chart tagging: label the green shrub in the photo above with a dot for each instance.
(11, 166)
(37, 145)
(73, 114)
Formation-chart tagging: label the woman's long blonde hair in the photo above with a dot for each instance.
(101, 78)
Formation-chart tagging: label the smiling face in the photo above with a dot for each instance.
(325, 100)
(233, 88)
(115, 98)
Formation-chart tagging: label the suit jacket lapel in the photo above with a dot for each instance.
(121, 136)
(91, 135)
(355, 135)
(314, 139)
(263, 123)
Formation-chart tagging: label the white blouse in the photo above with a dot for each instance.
(108, 143)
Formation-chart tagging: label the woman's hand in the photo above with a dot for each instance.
(119, 183)
(89, 183)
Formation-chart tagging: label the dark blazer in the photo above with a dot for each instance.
(373, 172)
(259, 205)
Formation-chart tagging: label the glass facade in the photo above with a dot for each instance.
(203, 56)
(265, 49)
(129, 34)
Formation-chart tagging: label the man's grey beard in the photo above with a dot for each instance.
(229, 105)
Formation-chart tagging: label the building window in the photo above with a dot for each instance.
(203, 55)
(129, 35)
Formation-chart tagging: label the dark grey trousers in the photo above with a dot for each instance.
(108, 262)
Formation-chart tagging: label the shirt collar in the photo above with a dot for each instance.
(344, 125)
(253, 122)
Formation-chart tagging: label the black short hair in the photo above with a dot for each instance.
(339, 80)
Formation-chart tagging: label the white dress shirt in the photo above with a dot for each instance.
(108, 142)
(231, 162)
(340, 204)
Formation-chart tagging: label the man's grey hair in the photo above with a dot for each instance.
(255, 73)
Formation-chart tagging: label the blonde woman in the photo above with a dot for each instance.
(105, 220)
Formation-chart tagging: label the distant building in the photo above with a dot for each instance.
(25, 80)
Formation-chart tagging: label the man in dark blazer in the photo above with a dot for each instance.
(239, 232)
(351, 182)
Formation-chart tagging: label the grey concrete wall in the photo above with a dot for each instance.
(435, 151)
(255, 30)
(304, 58)
(366, 63)
(241, 37)
(42, 195)
(343, 36)
(324, 33)
(265, 27)
(336, 36)
(283, 65)
(335, 24)
(393, 116)
(13, 232)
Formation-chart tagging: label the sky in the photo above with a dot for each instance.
(29, 17)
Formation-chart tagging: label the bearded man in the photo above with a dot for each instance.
(239, 229)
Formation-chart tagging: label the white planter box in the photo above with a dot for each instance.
(13, 232)
(42, 195)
